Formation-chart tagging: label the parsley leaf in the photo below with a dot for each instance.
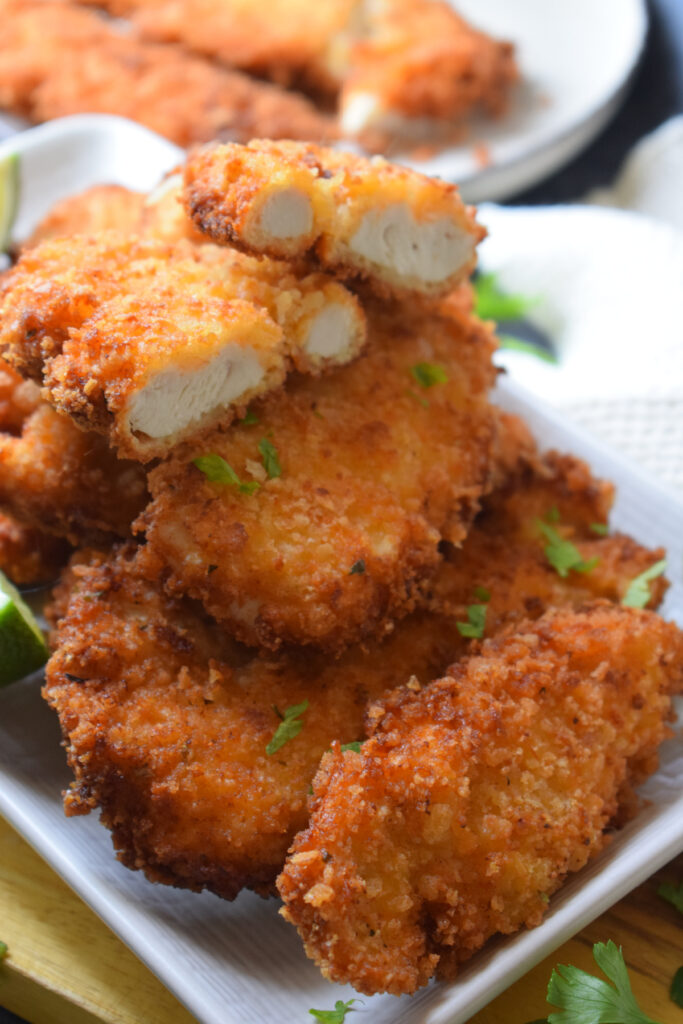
(429, 374)
(482, 593)
(3, 950)
(336, 1016)
(249, 418)
(676, 990)
(290, 726)
(357, 567)
(217, 470)
(355, 746)
(271, 461)
(474, 627)
(509, 341)
(491, 303)
(584, 999)
(601, 529)
(672, 894)
(638, 593)
(562, 554)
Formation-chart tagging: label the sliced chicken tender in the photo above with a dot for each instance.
(359, 217)
(57, 59)
(372, 471)
(475, 798)
(29, 557)
(416, 71)
(151, 343)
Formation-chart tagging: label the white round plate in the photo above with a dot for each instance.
(576, 58)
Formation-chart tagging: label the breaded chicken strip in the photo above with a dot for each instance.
(319, 523)
(417, 71)
(57, 59)
(151, 344)
(474, 798)
(56, 478)
(168, 721)
(28, 556)
(96, 209)
(357, 217)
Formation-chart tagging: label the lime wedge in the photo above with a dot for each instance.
(22, 645)
(9, 197)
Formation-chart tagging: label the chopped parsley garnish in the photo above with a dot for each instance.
(424, 402)
(676, 990)
(357, 567)
(601, 529)
(491, 303)
(584, 999)
(217, 470)
(249, 418)
(3, 950)
(552, 515)
(355, 746)
(672, 894)
(562, 554)
(482, 593)
(336, 1016)
(271, 460)
(289, 727)
(476, 620)
(510, 342)
(429, 374)
(638, 592)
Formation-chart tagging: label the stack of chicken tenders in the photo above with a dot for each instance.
(332, 625)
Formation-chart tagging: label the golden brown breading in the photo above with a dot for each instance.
(151, 343)
(28, 556)
(355, 216)
(18, 399)
(417, 71)
(57, 59)
(474, 798)
(375, 471)
(213, 810)
(96, 209)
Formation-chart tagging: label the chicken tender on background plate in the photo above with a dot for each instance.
(96, 209)
(29, 557)
(320, 522)
(152, 344)
(475, 797)
(355, 216)
(57, 59)
(141, 679)
(56, 478)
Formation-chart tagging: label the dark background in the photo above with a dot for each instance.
(656, 94)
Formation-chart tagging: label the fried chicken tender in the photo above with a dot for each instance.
(29, 556)
(355, 216)
(212, 809)
(417, 71)
(57, 59)
(18, 399)
(474, 798)
(96, 209)
(151, 344)
(342, 529)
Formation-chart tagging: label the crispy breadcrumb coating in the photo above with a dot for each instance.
(57, 59)
(212, 809)
(349, 214)
(475, 797)
(96, 209)
(374, 471)
(29, 557)
(151, 343)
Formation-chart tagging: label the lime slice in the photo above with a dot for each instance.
(22, 645)
(9, 197)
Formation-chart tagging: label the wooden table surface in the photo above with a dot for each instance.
(65, 967)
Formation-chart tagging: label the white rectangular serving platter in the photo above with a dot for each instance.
(240, 963)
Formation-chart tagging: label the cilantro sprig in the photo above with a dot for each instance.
(429, 374)
(638, 592)
(336, 1016)
(584, 999)
(562, 554)
(672, 894)
(270, 457)
(218, 471)
(290, 726)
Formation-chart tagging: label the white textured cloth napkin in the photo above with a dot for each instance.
(610, 296)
